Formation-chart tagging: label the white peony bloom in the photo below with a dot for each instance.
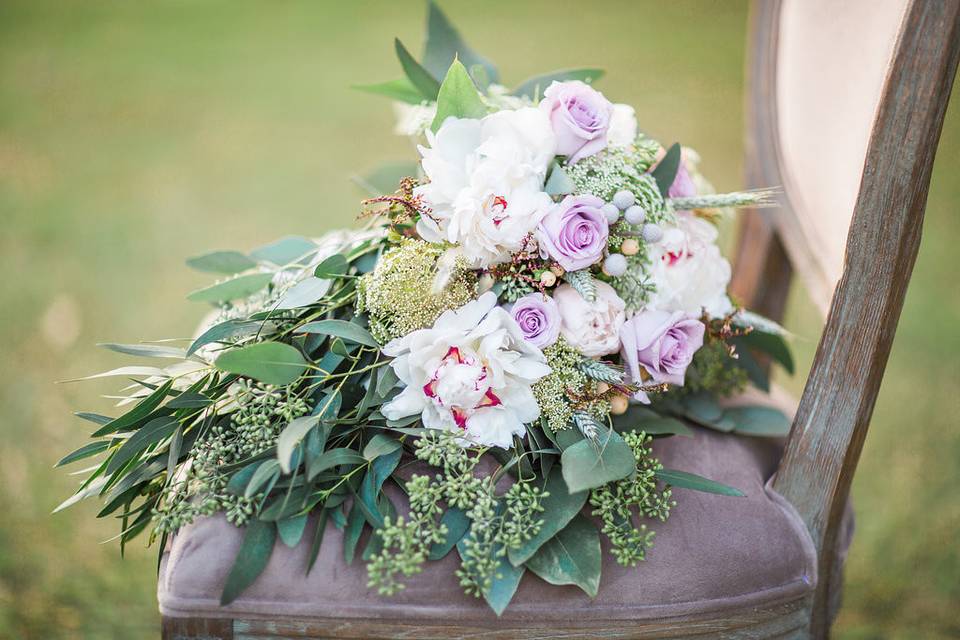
(623, 126)
(470, 373)
(688, 270)
(592, 328)
(486, 183)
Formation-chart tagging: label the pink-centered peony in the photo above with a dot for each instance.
(661, 344)
(580, 116)
(574, 232)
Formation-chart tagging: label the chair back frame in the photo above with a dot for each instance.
(838, 400)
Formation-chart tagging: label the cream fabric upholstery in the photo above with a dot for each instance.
(831, 65)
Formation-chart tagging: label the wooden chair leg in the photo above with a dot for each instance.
(196, 629)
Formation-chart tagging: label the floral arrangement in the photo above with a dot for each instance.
(538, 302)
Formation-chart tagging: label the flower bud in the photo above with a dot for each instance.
(619, 404)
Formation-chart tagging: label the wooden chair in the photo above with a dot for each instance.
(846, 103)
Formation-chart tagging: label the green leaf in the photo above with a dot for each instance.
(123, 371)
(385, 179)
(225, 262)
(560, 507)
(457, 524)
(285, 251)
(664, 426)
(387, 381)
(534, 87)
(380, 445)
(332, 267)
(239, 287)
(505, 581)
(335, 458)
(252, 559)
(458, 97)
(745, 360)
(559, 183)
(95, 418)
(269, 362)
(290, 439)
(571, 557)
(145, 350)
(420, 78)
(237, 484)
(351, 535)
(685, 480)
(87, 450)
(149, 434)
(143, 409)
(702, 408)
(759, 421)
(304, 293)
(342, 329)
(190, 400)
(291, 529)
(771, 344)
(593, 463)
(444, 44)
(224, 331)
(666, 170)
(380, 470)
(401, 90)
(317, 539)
(263, 478)
(85, 492)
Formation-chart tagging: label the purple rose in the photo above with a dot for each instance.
(538, 318)
(580, 117)
(662, 343)
(682, 186)
(574, 232)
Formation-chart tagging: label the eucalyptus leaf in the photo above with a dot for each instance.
(772, 344)
(124, 371)
(304, 293)
(534, 87)
(686, 480)
(225, 262)
(87, 450)
(335, 458)
(385, 179)
(290, 438)
(252, 559)
(149, 434)
(666, 170)
(269, 362)
(593, 463)
(332, 267)
(285, 251)
(341, 329)
(561, 507)
(225, 331)
(263, 478)
(759, 421)
(139, 412)
(146, 350)
(458, 97)
(571, 557)
(559, 183)
(506, 579)
(664, 426)
(457, 524)
(379, 445)
(420, 78)
(351, 534)
(444, 44)
(291, 529)
(401, 90)
(95, 418)
(232, 289)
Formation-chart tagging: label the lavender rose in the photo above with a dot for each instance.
(574, 232)
(538, 318)
(580, 117)
(662, 343)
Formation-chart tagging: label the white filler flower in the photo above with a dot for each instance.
(486, 182)
(470, 373)
(688, 270)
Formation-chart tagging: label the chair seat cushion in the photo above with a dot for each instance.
(713, 553)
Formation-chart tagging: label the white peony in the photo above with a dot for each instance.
(623, 126)
(470, 373)
(592, 328)
(486, 183)
(688, 270)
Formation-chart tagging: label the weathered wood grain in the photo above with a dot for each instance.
(836, 405)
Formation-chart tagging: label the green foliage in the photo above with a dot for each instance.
(269, 362)
(591, 463)
(534, 87)
(666, 170)
(420, 78)
(616, 168)
(583, 282)
(566, 388)
(458, 97)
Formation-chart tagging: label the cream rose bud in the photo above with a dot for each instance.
(593, 328)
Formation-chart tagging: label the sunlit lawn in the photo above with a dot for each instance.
(133, 135)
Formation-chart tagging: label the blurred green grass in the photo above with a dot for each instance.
(133, 135)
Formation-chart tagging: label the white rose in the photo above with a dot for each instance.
(593, 328)
(470, 373)
(623, 126)
(486, 183)
(688, 270)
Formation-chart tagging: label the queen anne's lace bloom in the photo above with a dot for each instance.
(486, 183)
(470, 373)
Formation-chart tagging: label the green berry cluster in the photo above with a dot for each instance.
(614, 503)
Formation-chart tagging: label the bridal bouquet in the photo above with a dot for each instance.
(522, 316)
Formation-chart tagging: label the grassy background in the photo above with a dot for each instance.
(133, 135)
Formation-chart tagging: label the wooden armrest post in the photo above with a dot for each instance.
(835, 408)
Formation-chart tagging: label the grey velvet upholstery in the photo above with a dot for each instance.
(713, 553)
